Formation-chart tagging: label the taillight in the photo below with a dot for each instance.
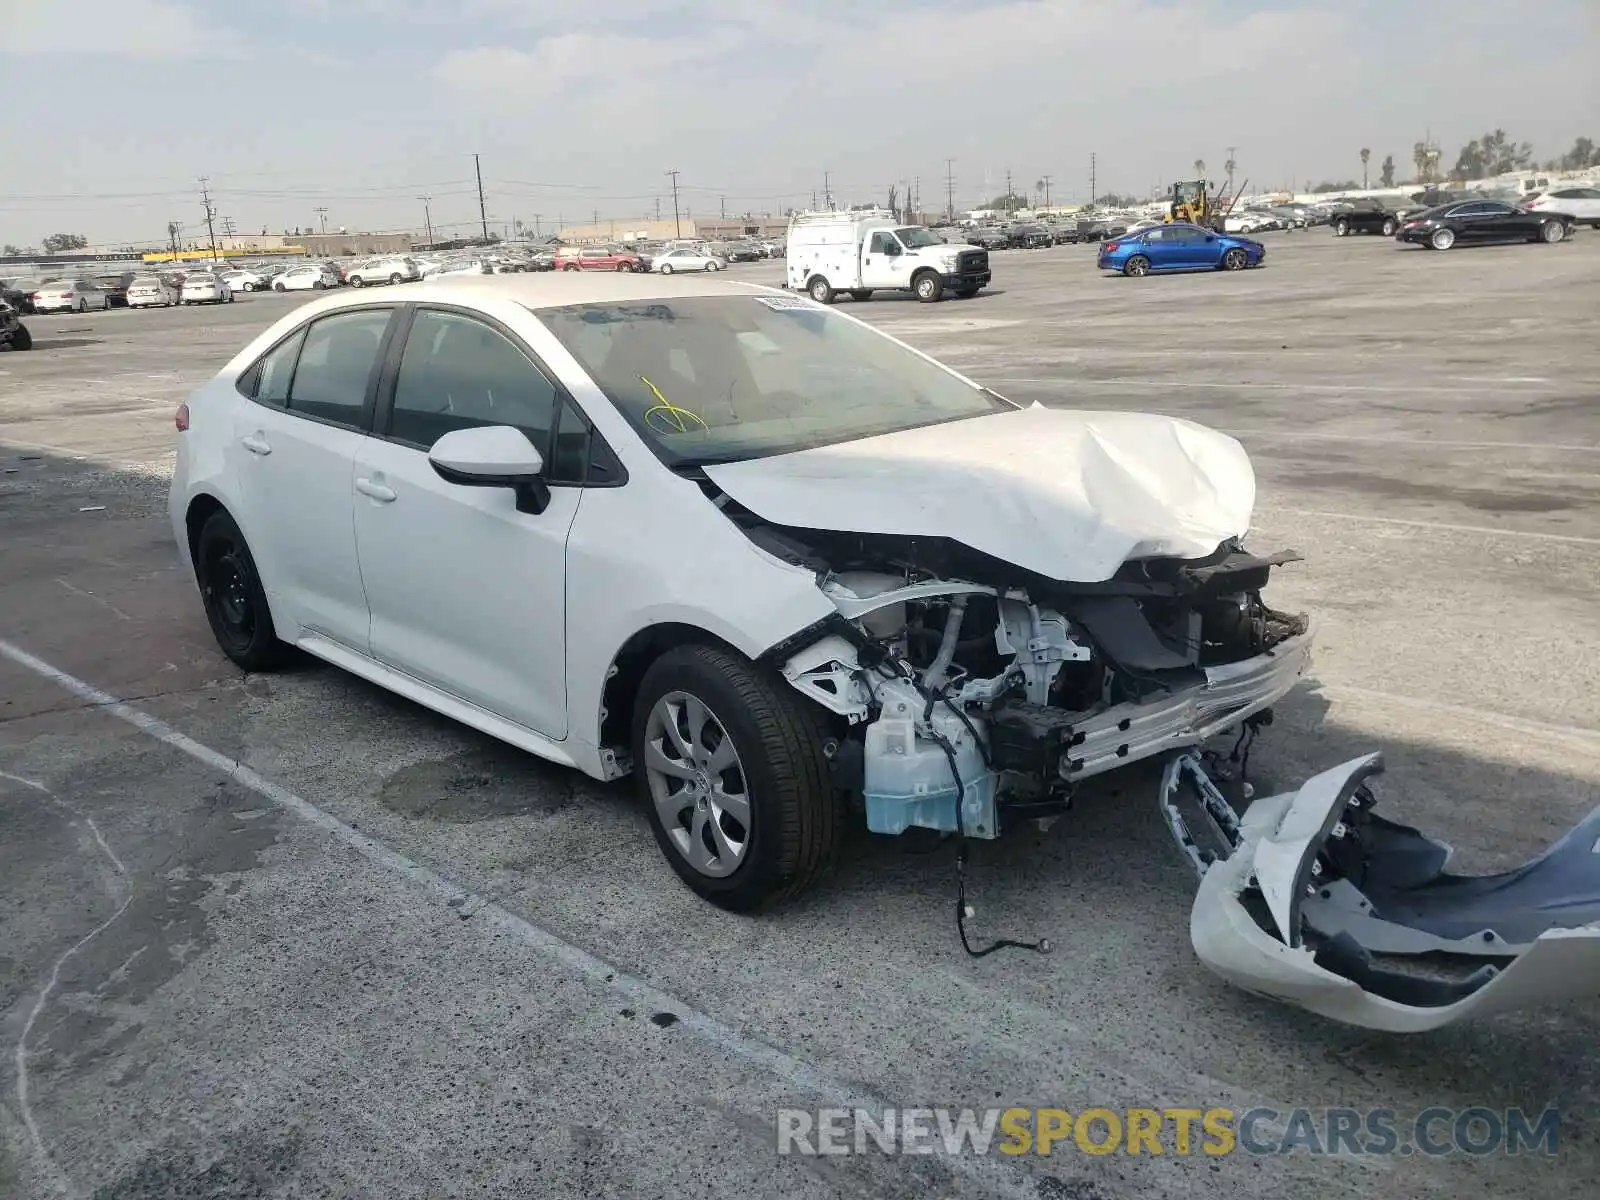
(181, 420)
(1110, 246)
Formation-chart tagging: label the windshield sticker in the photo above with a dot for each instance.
(781, 302)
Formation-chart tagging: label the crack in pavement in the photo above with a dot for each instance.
(119, 886)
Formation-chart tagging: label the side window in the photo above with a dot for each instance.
(881, 244)
(458, 373)
(273, 372)
(335, 365)
(569, 453)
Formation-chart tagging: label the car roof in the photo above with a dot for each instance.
(560, 288)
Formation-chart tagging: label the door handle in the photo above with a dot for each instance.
(375, 490)
(255, 443)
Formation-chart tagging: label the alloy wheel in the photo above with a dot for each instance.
(698, 784)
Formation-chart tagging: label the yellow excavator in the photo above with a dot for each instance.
(1191, 202)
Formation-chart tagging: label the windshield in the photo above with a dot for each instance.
(708, 379)
(915, 239)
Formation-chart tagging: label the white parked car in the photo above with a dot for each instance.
(784, 569)
(670, 261)
(241, 280)
(205, 287)
(312, 277)
(461, 266)
(396, 269)
(69, 295)
(151, 291)
(1248, 222)
(1578, 200)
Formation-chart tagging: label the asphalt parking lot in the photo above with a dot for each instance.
(291, 935)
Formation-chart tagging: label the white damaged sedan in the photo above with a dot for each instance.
(780, 567)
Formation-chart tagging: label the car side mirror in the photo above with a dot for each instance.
(493, 456)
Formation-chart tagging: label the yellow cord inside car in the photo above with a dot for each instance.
(667, 417)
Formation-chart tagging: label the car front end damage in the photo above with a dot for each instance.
(974, 705)
(1098, 608)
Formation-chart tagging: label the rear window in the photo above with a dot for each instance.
(201, 277)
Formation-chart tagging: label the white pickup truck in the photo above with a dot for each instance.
(860, 253)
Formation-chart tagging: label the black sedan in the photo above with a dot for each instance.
(19, 293)
(1476, 222)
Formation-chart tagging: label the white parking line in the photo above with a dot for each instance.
(1406, 522)
(996, 1177)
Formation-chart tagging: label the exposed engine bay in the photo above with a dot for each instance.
(975, 693)
(971, 686)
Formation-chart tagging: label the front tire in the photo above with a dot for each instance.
(278, 287)
(1442, 239)
(1389, 228)
(1552, 232)
(22, 339)
(928, 287)
(1341, 229)
(733, 773)
(820, 290)
(1235, 260)
(235, 602)
(666, 268)
(357, 281)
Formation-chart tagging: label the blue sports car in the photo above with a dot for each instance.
(1179, 247)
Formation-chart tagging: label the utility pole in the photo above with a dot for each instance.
(723, 201)
(916, 198)
(322, 215)
(483, 213)
(427, 216)
(950, 188)
(658, 208)
(211, 212)
(172, 236)
(1046, 179)
(1093, 163)
(1229, 165)
(827, 191)
(1010, 207)
(677, 222)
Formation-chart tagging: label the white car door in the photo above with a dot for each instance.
(884, 263)
(294, 447)
(467, 593)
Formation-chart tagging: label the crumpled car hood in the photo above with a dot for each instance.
(1069, 494)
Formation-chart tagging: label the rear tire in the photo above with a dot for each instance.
(396, 278)
(779, 769)
(278, 287)
(666, 268)
(1138, 266)
(22, 339)
(1442, 239)
(1341, 229)
(234, 600)
(357, 281)
(928, 287)
(1389, 228)
(821, 290)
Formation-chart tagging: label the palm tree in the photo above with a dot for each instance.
(1365, 154)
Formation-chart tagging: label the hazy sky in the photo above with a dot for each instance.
(117, 107)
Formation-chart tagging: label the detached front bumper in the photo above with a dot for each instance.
(1316, 884)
